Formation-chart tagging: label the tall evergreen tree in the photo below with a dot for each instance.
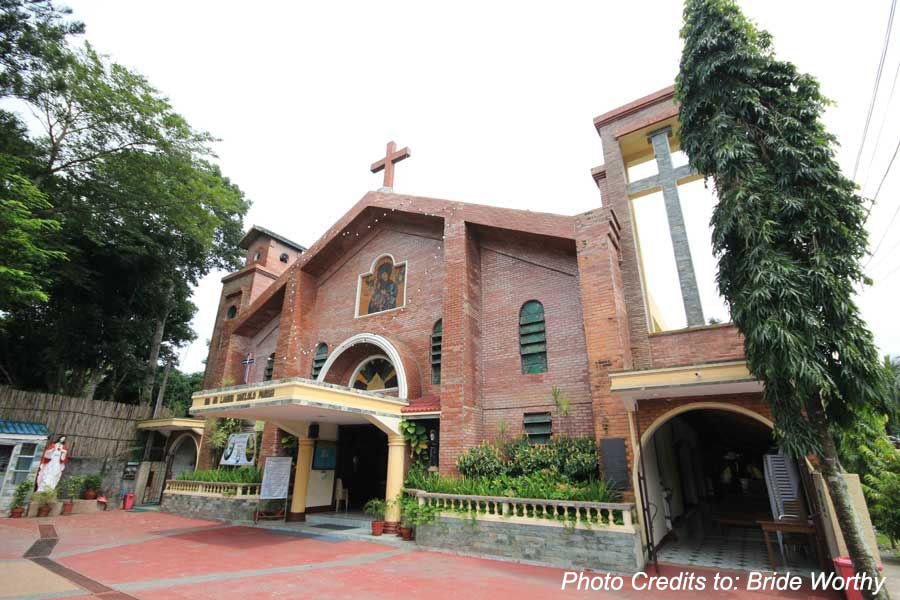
(788, 231)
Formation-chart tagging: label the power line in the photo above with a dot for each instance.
(884, 49)
(880, 131)
(886, 231)
(881, 183)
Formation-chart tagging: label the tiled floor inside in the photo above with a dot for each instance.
(736, 548)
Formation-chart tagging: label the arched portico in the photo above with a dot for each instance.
(383, 344)
(704, 472)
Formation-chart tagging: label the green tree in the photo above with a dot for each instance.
(143, 214)
(22, 229)
(788, 231)
(32, 45)
(892, 368)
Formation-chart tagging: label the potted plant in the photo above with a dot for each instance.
(70, 488)
(44, 500)
(375, 508)
(91, 486)
(409, 510)
(20, 498)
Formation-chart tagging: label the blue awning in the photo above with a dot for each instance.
(22, 428)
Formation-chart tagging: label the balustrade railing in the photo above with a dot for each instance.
(616, 516)
(211, 488)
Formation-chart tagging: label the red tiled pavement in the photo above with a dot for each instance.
(154, 555)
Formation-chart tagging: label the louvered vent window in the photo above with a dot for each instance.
(437, 336)
(533, 337)
(319, 359)
(538, 427)
(270, 367)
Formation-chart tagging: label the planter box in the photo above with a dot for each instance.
(220, 508)
(82, 507)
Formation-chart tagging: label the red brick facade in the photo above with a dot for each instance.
(474, 267)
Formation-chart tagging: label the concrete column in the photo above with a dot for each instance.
(668, 181)
(394, 485)
(301, 479)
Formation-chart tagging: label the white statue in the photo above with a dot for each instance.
(53, 463)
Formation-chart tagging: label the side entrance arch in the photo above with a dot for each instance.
(706, 487)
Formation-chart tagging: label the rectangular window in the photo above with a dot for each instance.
(538, 427)
(22, 468)
(5, 455)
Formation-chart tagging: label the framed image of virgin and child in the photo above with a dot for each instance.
(382, 288)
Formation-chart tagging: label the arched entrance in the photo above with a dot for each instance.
(182, 456)
(367, 363)
(707, 486)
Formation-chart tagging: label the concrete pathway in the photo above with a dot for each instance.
(156, 555)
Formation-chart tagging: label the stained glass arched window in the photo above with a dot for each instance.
(374, 375)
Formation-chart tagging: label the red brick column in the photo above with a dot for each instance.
(461, 419)
(295, 348)
(606, 324)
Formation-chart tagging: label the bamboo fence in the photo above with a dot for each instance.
(93, 428)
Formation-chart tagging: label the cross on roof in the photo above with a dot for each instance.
(391, 157)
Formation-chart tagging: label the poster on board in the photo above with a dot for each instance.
(276, 478)
(240, 449)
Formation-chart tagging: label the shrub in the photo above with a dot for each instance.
(544, 484)
(246, 474)
(574, 459)
(71, 486)
(20, 496)
(44, 498)
(481, 461)
(91, 482)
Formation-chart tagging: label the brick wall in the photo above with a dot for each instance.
(715, 343)
(514, 272)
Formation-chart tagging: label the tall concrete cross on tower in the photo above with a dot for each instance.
(391, 157)
(667, 179)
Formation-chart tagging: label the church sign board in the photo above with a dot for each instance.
(276, 478)
(240, 449)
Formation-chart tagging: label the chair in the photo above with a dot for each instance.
(341, 494)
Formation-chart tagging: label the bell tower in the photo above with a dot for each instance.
(268, 256)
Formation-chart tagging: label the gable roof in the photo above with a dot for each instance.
(523, 221)
(256, 231)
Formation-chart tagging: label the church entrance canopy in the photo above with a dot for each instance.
(292, 404)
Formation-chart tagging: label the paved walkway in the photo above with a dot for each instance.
(156, 555)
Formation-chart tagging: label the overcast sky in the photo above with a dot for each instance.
(495, 99)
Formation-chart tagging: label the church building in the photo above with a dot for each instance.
(472, 319)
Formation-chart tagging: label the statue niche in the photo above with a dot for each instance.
(383, 288)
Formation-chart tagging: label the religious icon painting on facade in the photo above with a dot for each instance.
(376, 374)
(384, 288)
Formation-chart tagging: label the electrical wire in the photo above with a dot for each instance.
(884, 49)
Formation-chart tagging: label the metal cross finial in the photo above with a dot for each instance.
(392, 156)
